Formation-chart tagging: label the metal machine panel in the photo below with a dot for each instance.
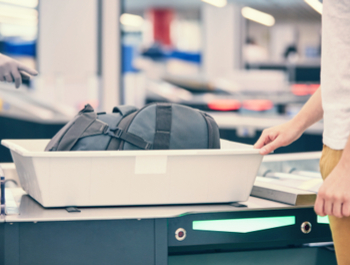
(84, 242)
(290, 256)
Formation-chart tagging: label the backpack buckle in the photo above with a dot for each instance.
(118, 132)
(114, 132)
(106, 129)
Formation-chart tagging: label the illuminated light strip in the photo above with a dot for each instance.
(131, 20)
(25, 3)
(322, 219)
(316, 5)
(244, 225)
(217, 3)
(258, 16)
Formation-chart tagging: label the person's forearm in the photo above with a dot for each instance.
(310, 113)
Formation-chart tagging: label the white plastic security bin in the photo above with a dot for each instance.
(154, 177)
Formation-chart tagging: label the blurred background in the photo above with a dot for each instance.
(251, 64)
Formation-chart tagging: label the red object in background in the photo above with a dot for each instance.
(257, 104)
(300, 89)
(161, 20)
(304, 89)
(224, 104)
(313, 88)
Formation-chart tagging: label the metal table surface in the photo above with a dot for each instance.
(31, 234)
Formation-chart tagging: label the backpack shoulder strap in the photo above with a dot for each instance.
(163, 126)
(128, 113)
(119, 135)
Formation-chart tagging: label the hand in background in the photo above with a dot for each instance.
(13, 71)
(277, 136)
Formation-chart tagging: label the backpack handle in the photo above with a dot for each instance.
(124, 110)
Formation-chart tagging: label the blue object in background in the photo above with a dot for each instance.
(2, 200)
(128, 55)
(19, 47)
(312, 52)
(186, 56)
(157, 53)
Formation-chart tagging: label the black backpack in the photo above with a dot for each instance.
(156, 126)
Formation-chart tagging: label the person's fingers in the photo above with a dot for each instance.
(346, 209)
(337, 209)
(24, 75)
(328, 207)
(319, 206)
(17, 77)
(27, 69)
(261, 141)
(8, 77)
(273, 145)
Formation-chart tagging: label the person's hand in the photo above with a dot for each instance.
(333, 197)
(13, 71)
(277, 136)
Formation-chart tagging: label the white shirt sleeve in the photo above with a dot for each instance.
(335, 72)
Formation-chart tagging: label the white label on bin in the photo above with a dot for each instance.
(151, 164)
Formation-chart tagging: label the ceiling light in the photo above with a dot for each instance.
(315, 4)
(24, 3)
(27, 33)
(20, 22)
(217, 3)
(14, 12)
(131, 20)
(258, 16)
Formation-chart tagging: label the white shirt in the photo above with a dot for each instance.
(335, 72)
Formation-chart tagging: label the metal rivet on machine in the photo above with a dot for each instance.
(180, 234)
(306, 227)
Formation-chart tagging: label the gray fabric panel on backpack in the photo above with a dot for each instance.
(98, 142)
(143, 125)
(77, 129)
(52, 146)
(213, 129)
(188, 128)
